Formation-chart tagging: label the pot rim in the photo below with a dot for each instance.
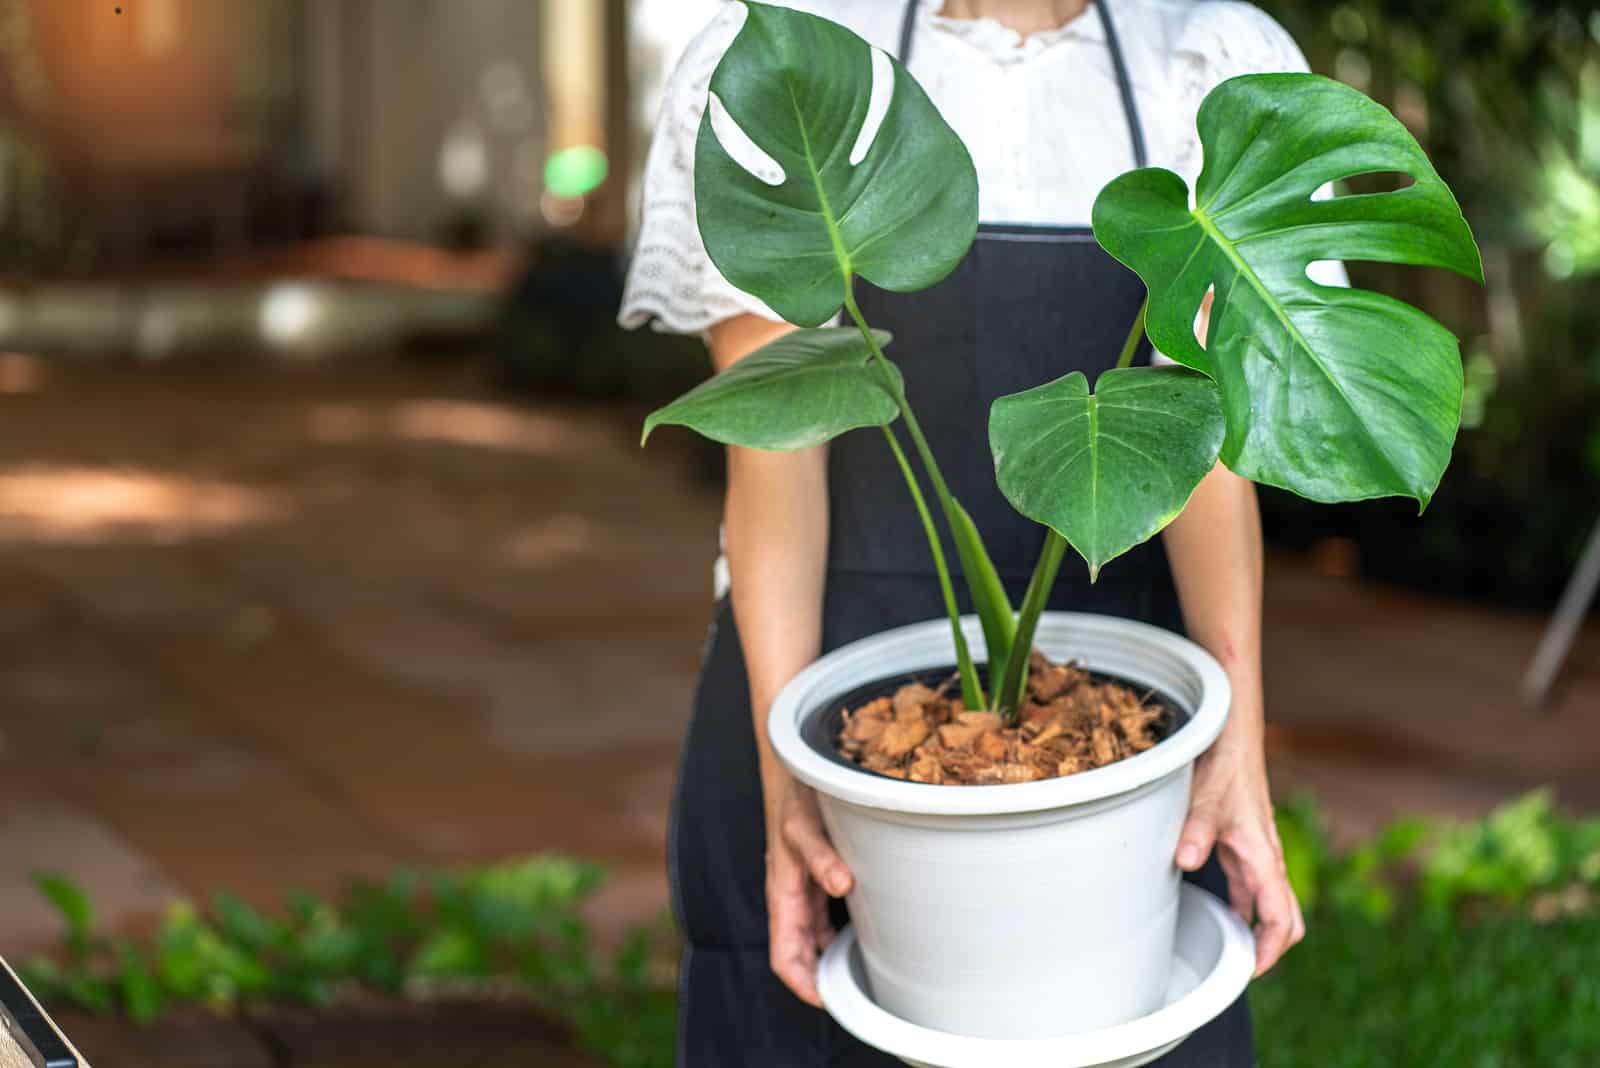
(920, 646)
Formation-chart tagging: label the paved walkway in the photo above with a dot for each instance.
(268, 627)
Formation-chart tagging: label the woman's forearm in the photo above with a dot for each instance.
(1217, 562)
(777, 543)
(776, 528)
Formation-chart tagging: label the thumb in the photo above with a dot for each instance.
(806, 837)
(1199, 836)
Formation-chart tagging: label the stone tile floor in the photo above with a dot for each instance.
(268, 627)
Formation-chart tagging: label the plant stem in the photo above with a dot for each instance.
(971, 689)
(1135, 335)
(1009, 699)
(924, 453)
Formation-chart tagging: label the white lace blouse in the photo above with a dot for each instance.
(1042, 117)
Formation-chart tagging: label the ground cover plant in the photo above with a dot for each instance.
(509, 929)
(1465, 945)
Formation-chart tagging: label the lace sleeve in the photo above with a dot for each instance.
(671, 281)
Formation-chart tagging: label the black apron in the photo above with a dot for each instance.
(1027, 305)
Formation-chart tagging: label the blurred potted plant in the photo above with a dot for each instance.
(1334, 394)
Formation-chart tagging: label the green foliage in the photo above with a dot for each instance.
(1502, 95)
(408, 934)
(1356, 881)
(989, 597)
(799, 87)
(1469, 945)
(1334, 394)
(74, 906)
(1505, 992)
(1462, 946)
(1524, 855)
(841, 204)
(1519, 851)
(798, 391)
(34, 236)
(1107, 469)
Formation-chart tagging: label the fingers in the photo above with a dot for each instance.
(821, 923)
(802, 869)
(1199, 836)
(1279, 924)
(1259, 889)
(793, 951)
(1241, 892)
(802, 830)
(794, 910)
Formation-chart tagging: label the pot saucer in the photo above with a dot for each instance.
(1215, 959)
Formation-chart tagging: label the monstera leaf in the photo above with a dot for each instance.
(802, 389)
(899, 211)
(1107, 470)
(1334, 394)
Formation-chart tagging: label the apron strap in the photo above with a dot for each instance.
(908, 32)
(1130, 108)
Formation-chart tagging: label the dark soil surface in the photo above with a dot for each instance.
(379, 1035)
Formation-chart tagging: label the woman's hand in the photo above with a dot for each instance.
(1231, 811)
(803, 871)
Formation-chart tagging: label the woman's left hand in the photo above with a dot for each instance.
(1231, 811)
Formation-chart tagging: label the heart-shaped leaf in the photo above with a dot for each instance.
(800, 390)
(1334, 394)
(901, 215)
(1107, 470)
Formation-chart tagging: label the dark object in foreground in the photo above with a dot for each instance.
(363, 1032)
(27, 1036)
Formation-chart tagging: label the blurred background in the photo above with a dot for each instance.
(348, 636)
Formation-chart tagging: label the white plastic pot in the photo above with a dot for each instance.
(1025, 911)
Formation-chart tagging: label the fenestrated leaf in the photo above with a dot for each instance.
(901, 217)
(1335, 394)
(1107, 469)
(802, 389)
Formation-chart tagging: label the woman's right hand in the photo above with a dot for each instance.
(803, 872)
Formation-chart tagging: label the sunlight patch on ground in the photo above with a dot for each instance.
(86, 505)
(20, 374)
(549, 541)
(485, 426)
(472, 424)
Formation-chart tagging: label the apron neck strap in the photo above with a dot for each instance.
(908, 32)
(1130, 107)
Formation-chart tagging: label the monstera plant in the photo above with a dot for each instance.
(1334, 394)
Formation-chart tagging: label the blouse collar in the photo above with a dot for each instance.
(1001, 43)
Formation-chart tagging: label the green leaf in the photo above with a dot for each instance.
(901, 216)
(1106, 470)
(1335, 394)
(803, 389)
(142, 996)
(451, 951)
(989, 598)
(72, 902)
(243, 924)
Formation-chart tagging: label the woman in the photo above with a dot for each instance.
(1053, 98)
